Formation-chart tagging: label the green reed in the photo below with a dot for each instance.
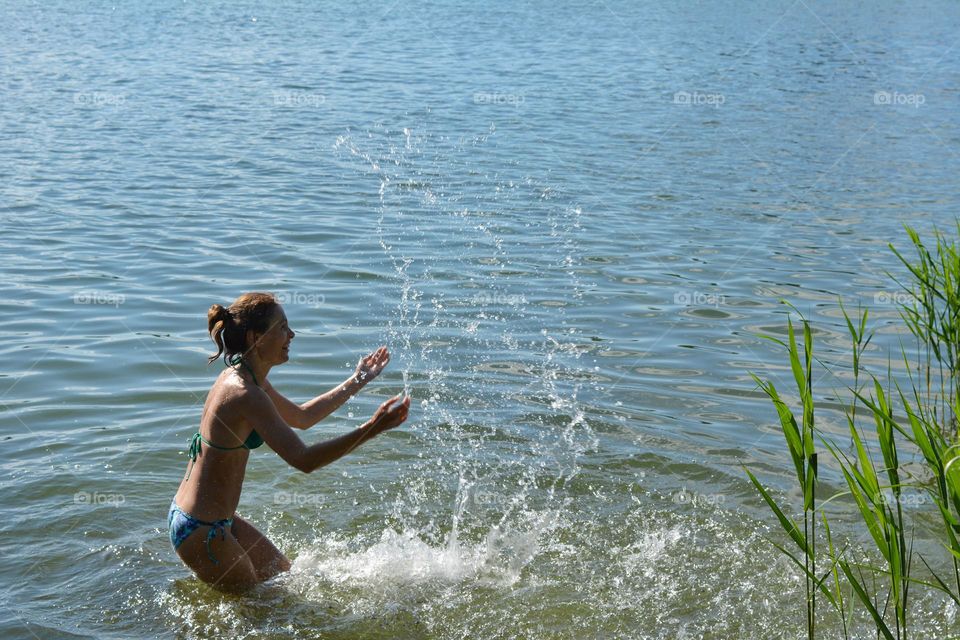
(799, 439)
(876, 482)
(932, 314)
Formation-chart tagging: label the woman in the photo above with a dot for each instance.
(242, 411)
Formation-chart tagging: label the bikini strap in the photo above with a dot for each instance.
(194, 449)
(237, 359)
(221, 526)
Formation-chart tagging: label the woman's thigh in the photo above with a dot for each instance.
(233, 570)
(267, 560)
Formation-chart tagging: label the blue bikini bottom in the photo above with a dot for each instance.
(181, 524)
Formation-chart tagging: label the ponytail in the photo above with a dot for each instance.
(218, 321)
(228, 326)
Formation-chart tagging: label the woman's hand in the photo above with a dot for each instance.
(370, 366)
(391, 414)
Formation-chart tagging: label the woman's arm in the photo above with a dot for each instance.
(281, 438)
(304, 416)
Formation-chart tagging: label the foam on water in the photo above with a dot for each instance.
(404, 560)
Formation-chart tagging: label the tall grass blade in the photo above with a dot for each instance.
(866, 602)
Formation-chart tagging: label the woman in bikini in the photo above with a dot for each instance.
(242, 411)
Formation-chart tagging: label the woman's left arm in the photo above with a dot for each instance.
(304, 416)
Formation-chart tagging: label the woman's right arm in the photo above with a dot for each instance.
(280, 437)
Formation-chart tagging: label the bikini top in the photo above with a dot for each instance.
(253, 440)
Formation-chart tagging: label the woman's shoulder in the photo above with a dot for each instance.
(228, 390)
(232, 390)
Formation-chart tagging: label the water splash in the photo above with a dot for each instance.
(480, 336)
(401, 560)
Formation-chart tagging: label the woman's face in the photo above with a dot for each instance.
(273, 347)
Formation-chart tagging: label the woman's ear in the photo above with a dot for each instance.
(252, 338)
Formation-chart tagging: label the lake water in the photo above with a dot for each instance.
(568, 221)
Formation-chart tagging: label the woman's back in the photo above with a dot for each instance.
(219, 469)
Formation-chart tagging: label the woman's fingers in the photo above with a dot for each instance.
(396, 414)
(391, 413)
(403, 409)
(375, 361)
(388, 405)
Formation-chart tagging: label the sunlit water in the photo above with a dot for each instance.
(569, 223)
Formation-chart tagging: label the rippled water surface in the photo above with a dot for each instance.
(568, 221)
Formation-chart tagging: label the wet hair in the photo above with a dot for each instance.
(228, 326)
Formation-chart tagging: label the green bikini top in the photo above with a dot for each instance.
(253, 440)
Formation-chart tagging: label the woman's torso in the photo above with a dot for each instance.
(211, 487)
